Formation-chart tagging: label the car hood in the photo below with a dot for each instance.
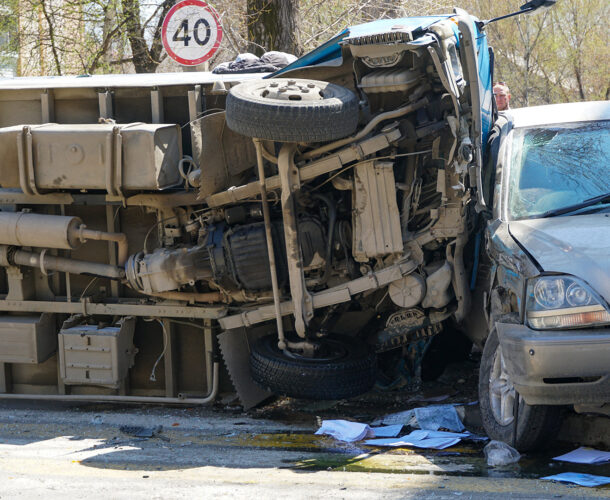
(578, 245)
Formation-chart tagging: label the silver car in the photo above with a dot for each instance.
(544, 277)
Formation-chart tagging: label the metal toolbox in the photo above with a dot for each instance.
(89, 355)
(27, 339)
(110, 157)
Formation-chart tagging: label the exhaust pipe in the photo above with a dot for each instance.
(63, 232)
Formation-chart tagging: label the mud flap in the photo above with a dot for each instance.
(235, 348)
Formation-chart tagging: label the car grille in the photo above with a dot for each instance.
(381, 38)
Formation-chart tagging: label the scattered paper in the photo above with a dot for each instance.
(439, 416)
(403, 418)
(426, 418)
(588, 480)
(344, 430)
(387, 431)
(584, 455)
(436, 440)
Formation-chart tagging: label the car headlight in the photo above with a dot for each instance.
(563, 302)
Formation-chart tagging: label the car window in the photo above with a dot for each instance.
(557, 166)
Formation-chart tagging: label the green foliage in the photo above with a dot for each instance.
(555, 55)
(9, 41)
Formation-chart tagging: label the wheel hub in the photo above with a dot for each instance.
(501, 391)
(321, 350)
(292, 90)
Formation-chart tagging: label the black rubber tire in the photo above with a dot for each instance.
(537, 424)
(250, 114)
(352, 374)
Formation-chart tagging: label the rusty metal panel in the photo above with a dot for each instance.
(94, 156)
(376, 219)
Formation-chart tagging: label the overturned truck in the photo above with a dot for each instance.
(163, 236)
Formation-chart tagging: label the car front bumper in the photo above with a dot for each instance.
(557, 367)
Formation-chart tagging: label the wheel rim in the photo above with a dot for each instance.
(330, 351)
(501, 391)
(293, 90)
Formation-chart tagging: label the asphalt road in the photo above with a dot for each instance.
(79, 451)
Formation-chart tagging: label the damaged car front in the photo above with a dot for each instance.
(548, 242)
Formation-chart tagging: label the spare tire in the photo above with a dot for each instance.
(345, 368)
(292, 110)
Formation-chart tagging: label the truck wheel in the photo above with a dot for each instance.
(537, 424)
(343, 368)
(292, 110)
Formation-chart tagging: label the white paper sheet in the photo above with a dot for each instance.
(584, 455)
(344, 430)
(437, 440)
(588, 480)
(387, 431)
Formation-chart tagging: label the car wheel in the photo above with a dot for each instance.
(292, 110)
(537, 425)
(344, 367)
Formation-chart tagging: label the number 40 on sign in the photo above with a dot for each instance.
(191, 32)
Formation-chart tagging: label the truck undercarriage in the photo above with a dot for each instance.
(297, 227)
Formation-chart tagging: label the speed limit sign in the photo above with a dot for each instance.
(191, 32)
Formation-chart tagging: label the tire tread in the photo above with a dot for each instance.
(333, 380)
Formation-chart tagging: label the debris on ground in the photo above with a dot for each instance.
(588, 480)
(439, 417)
(406, 417)
(434, 440)
(344, 430)
(430, 418)
(140, 432)
(431, 397)
(585, 455)
(387, 430)
(499, 454)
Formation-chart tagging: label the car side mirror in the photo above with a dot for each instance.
(536, 4)
(526, 8)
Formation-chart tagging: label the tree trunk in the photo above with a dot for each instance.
(145, 60)
(109, 24)
(274, 25)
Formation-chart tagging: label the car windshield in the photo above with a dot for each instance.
(557, 166)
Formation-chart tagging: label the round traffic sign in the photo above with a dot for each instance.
(191, 32)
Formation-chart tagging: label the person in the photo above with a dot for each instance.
(502, 96)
